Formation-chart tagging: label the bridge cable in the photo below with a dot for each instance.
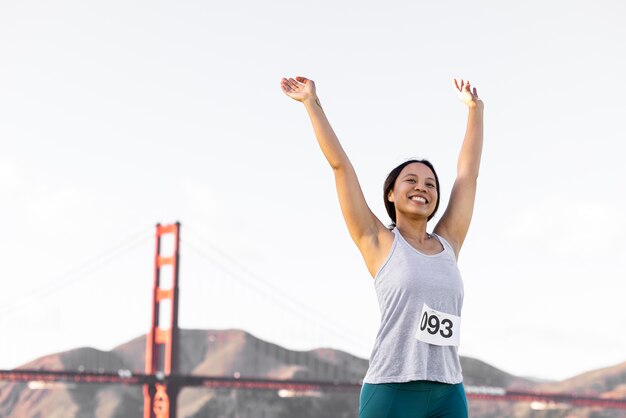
(296, 305)
(81, 272)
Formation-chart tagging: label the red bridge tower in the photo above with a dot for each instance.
(162, 340)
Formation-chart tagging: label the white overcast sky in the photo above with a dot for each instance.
(116, 115)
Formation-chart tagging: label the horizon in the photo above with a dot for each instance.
(535, 379)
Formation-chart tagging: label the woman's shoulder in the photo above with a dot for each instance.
(377, 250)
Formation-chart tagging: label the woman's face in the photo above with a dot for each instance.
(415, 191)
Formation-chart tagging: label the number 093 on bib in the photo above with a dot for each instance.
(438, 328)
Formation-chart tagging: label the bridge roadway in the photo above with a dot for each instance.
(125, 377)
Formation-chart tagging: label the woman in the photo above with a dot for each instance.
(414, 368)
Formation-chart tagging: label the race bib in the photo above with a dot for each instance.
(438, 328)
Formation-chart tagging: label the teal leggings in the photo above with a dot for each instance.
(419, 399)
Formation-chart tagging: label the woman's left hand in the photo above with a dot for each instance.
(468, 94)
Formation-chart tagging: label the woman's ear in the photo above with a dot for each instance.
(390, 196)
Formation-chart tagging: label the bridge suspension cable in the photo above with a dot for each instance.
(264, 287)
(79, 273)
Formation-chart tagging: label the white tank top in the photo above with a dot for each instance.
(406, 281)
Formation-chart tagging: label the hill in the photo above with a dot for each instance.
(238, 353)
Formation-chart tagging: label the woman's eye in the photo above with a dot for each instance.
(430, 185)
(411, 180)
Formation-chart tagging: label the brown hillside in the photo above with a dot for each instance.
(479, 373)
(66, 400)
(238, 353)
(609, 381)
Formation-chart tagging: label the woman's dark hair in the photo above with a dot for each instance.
(391, 180)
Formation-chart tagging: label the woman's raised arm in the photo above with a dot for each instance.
(455, 221)
(365, 229)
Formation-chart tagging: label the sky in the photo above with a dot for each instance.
(117, 115)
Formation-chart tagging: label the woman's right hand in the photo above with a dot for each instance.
(300, 88)
(468, 94)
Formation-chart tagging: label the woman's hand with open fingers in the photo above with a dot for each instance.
(300, 88)
(468, 94)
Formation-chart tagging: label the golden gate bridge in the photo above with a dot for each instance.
(161, 380)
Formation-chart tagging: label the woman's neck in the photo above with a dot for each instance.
(415, 230)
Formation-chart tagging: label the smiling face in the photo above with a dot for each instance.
(415, 191)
